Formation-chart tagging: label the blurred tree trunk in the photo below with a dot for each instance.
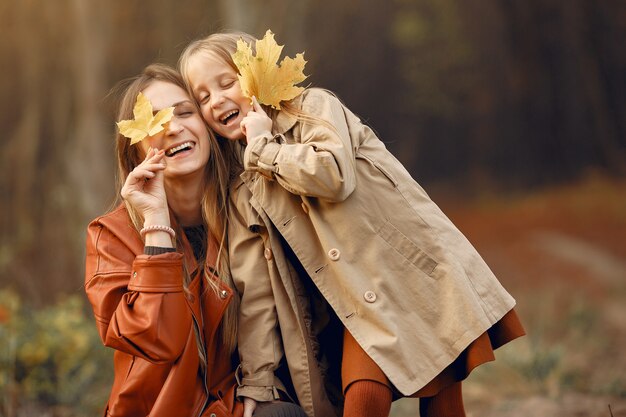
(558, 99)
(605, 111)
(286, 19)
(513, 93)
(90, 140)
(20, 152)
(57, 155)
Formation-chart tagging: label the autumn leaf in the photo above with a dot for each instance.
(145, 123)
(261, 76)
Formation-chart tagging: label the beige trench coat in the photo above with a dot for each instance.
(401, 277)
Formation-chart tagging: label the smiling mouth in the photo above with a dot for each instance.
(180, 148)
(231, 115)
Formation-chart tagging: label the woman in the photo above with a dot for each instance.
(155, 272)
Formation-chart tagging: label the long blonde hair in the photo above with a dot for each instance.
(218, 172)
(223, 45)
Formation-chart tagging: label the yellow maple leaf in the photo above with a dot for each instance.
(145, 124)
(261, 76)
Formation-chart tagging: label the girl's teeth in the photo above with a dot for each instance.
(227, 115)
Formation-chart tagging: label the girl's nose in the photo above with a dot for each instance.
(217, 100)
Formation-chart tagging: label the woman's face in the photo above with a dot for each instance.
(185, 137)
(216, 88)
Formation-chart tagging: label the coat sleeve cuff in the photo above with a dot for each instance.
(157, 273)
(262, 386)
(260, 394)
(261, 155)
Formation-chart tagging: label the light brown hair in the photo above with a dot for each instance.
(217, 177)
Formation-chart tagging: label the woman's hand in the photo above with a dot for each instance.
(256, 123)
(144, 189)
(249, 405)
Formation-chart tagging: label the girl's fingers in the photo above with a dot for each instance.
(249, 405)
(256, 105)
(257, 108)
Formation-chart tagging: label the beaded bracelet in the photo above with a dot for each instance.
(159, 228)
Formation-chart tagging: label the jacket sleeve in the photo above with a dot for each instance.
(321, 161)
(138, 301)
(260, 349)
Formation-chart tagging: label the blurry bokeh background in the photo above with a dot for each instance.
(511, 113)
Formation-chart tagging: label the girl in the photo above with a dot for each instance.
(155, 271)
(352, 247)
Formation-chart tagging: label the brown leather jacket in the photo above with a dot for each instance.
(143, 312)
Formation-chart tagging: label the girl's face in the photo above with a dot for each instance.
(216, 88)
(185, 138)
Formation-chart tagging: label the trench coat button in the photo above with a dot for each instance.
(223, 294)
(212, 415)
(334, 254)
(305, 208)
(134, 274)
(268, 254)
(370, 296)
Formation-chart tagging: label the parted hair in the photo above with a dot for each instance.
(215, 195)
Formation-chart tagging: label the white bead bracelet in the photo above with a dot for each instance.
(157, 228)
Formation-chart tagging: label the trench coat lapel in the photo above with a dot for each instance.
(255, 185)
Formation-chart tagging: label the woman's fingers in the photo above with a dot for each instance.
(154, 154)
(146, 171)
(153, 161)
(144, 186)
(140, 174)
(150, 153)
(153, 166)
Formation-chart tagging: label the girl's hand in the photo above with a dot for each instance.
(144, 188)
(249, 405)
(256, 123)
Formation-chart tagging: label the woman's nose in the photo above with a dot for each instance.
(174, 127)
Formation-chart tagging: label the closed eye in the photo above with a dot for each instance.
(185, 109)
(203, 99)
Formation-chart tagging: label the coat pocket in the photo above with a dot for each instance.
(405, 247)
(216, 409)
(378, 166)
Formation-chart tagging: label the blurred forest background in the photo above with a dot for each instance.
(512, 113)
